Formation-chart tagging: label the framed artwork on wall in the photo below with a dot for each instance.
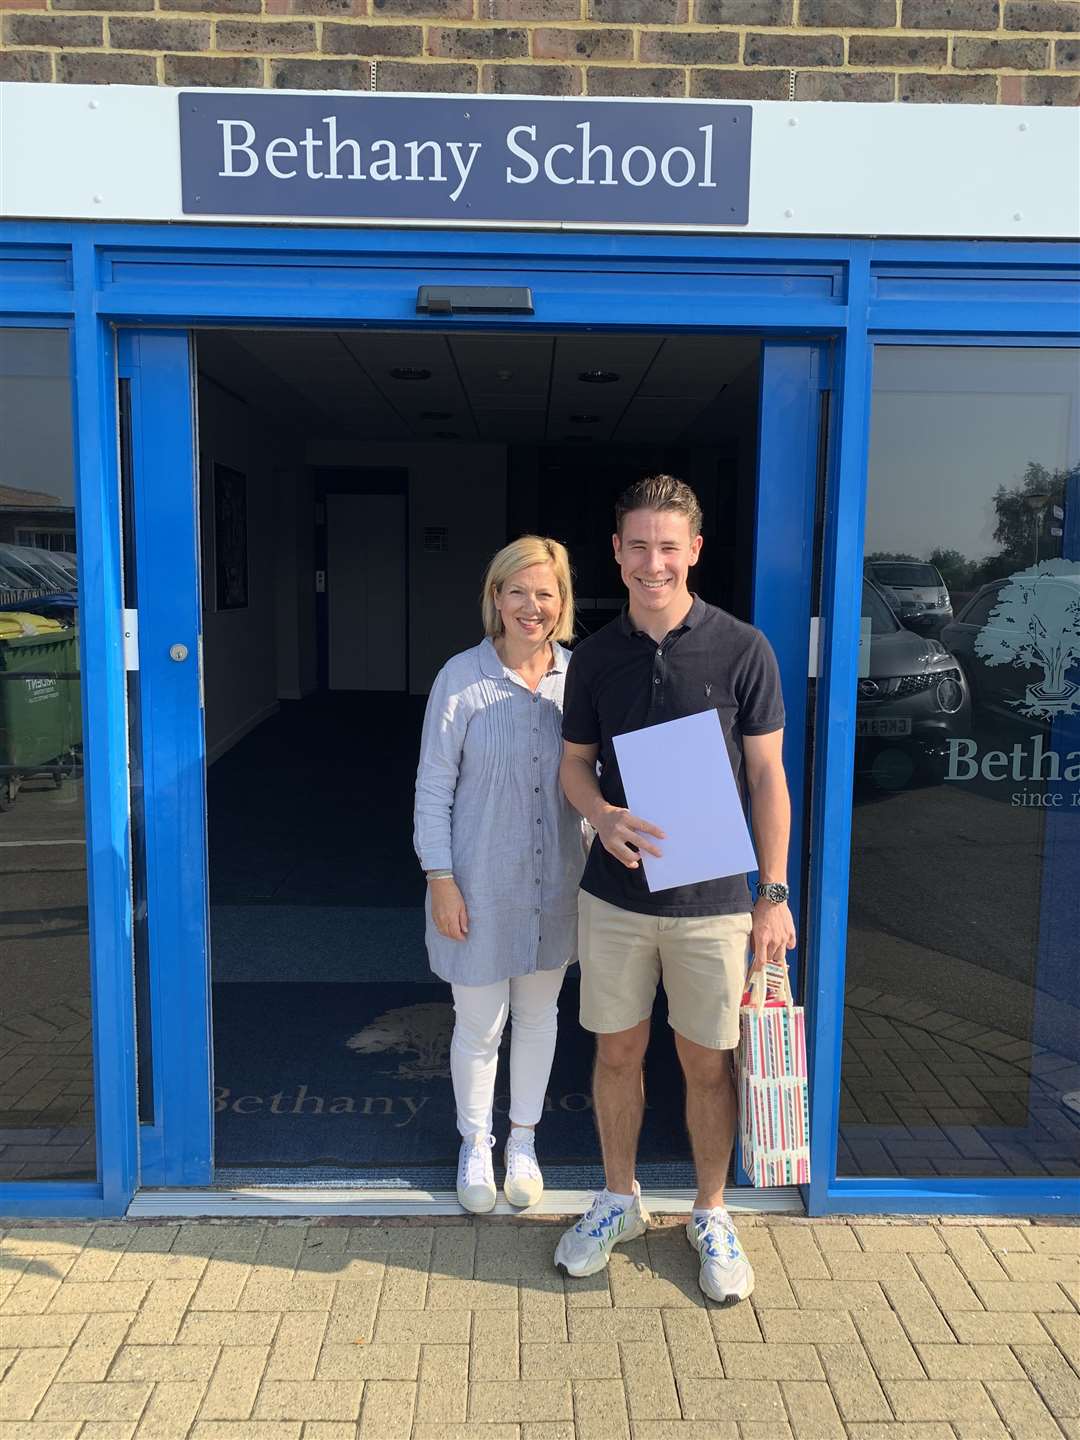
(230, 539)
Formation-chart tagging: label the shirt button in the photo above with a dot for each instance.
(538, 910)
(656, 680)
(539, 822)
(536, 730)
(536, 759)
(539, 852)
(535, 699)
(537, 880)
(536, 789)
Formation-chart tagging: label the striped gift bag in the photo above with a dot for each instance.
(774, 1109)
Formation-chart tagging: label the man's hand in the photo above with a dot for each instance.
(773, 933)
(448, 912)
(619, 831)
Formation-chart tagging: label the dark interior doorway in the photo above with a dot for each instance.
(380, 473)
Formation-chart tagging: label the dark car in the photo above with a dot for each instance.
(913, 698)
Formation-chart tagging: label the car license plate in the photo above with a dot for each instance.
(883, 727)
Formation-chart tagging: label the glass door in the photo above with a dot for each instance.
(163, 625)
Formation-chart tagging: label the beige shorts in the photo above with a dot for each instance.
(701, 959)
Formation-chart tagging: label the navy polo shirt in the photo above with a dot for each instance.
(620, 679)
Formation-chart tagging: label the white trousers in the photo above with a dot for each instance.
(530, 1002)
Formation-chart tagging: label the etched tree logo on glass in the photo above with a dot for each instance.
(1036, 623)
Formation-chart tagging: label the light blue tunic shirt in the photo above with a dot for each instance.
(490, 808)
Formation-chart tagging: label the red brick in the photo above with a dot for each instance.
(531, 80)
(739, 84)
(861, 14)
(425, 9)
(635, 80)
(60, 30)
(441, 79)
(835, 85)
(793, 51)
(25, 65)
(689, 47)
(950, 14)
(743, 12)
(583, 44)
(1051, 89)
(898, 52)
(639, 12)
(372, 39)
(970, 53)
(68, 5)
(139, 33)
(1042, 15)
(947, 89)
(105, 68)
(546, 10)
(230, 70)
(266, 37)
(461, 42)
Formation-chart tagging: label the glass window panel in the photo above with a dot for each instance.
(46, 1066)
(962, 1018)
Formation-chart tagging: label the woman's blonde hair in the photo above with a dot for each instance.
(519, 555)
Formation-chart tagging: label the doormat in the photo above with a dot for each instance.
(358, 1076)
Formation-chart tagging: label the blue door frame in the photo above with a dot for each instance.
(801, 295)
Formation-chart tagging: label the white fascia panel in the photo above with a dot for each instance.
(105, 152)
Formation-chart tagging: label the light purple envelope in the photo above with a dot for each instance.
(678, 776)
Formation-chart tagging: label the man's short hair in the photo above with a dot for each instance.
(660, 492)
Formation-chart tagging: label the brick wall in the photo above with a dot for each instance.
(977, 51)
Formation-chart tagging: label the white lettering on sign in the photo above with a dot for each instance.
(1018, 763)
(320, 153)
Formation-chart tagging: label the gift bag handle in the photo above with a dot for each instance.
(770, 980)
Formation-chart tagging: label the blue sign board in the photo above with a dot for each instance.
(452, 158)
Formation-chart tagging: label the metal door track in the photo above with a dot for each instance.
(313, 1202)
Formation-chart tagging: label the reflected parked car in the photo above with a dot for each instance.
(912, 698)
(915, 591)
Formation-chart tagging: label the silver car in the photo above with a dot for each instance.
(915, 590)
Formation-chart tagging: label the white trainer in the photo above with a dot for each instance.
(524, 1184)
(586, 1247)
(726, 1274)
(475, 1176)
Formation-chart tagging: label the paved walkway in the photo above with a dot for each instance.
(461, 1330)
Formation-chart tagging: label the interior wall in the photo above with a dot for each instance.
(456, 488)
(297, 660)
(239, 652)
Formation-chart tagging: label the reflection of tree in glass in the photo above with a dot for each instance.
(1017, 518)
(1036, 621)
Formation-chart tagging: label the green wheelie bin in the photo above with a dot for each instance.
(35, 711)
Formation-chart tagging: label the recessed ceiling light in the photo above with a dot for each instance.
(504, 375)
(585, 419)
(598, 377)
(447, 435)
(410, 372)
(436, 415)
(578, 439)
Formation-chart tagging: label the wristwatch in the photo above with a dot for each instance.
(774, 891)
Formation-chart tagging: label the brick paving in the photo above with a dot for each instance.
(462, 1330)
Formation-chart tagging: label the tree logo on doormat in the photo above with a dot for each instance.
(420, 1030)
(1036, 624)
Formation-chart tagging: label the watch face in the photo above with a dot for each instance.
(774, 891)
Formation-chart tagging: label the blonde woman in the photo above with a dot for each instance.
(501, 850)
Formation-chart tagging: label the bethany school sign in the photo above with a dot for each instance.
(434, 158)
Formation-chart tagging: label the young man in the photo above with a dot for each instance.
(669, 654)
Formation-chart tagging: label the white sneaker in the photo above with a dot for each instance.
(475, 1177)
(726, 1274)
(586, 1247)
(524, 1183)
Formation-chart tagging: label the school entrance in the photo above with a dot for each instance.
(309, 514)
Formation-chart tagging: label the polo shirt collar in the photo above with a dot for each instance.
(694, 616)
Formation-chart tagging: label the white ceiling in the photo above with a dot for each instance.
(506, 388)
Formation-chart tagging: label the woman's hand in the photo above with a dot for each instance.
(448, 911)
